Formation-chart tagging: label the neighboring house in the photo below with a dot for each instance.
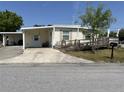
(41, 36)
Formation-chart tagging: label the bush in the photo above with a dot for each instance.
(20, 42)
(121, 35)
(113, 34)
(45, 44)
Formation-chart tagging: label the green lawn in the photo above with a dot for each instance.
(100, 55)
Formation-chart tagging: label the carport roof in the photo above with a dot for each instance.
(59, 26)
(28, 28)
(10, 32)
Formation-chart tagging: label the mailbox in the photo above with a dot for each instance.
(113, 44)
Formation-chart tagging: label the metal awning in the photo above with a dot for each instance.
(10, 32)
(31, 28)
(54, 26)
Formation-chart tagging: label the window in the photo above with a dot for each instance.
(36, 37)
(87, 36)
(65, 35)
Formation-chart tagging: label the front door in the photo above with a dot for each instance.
(36, 41)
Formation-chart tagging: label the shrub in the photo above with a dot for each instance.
(121, 35)
(113, 34)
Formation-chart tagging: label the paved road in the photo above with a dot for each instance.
(62, 77)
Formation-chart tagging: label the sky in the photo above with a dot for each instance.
(60, 12)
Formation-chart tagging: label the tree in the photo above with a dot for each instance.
(113, 34)
(103, 33)
(10, 21)
(97, 19)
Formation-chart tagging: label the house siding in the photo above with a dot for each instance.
(56, 37)
(81, 35)
(52, 34)
(73, 34)
(43, 37)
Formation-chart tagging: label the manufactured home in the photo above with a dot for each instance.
(44, 36)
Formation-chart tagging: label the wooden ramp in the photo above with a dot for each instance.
(82, 44)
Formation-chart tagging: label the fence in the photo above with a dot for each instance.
(81, 44)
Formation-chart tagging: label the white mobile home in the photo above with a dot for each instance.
(42, 36)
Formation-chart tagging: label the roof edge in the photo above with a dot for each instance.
(10, 32)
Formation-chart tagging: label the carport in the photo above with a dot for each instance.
(11, 38)
(37, 37)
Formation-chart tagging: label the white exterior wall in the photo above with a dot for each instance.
(81, 35)
(77, 35)
(73, 34)
(56, 37)
(29, 35)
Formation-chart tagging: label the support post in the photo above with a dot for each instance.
(117, 32)
(108, 32)
(50, 38)
(77, 33)
(4, 40)
(23, 40)
(53, 34)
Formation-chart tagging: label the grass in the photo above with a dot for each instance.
(102, 55)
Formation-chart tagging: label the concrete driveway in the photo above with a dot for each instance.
(42, 55)
(10, 52)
